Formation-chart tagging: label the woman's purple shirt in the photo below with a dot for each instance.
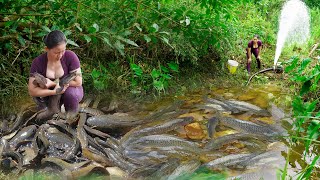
(254, 51)
(69, 61)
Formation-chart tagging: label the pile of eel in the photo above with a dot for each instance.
(141, 146)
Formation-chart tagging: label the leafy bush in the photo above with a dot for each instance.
(305, 75)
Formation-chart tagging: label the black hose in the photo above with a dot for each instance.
(278, 69)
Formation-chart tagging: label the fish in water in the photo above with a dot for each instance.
(230, 160)
(106, 121)
(277, 113)
(234, 107)
(155, 129)
(243, 106)
(185, 168)
(224, 106)
(249, 127)
(260, 173)
(218, 142)
(211, 126)
(166, 140)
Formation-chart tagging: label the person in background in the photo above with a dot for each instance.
(55, 63)
(254, 47)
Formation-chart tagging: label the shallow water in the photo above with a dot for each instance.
(262, 96)
(259, 96)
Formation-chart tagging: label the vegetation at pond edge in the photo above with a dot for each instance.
(153, 48)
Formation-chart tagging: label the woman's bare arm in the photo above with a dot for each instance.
(35, 91)
(249, 53)
(260, 47)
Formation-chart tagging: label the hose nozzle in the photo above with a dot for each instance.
(277, 68)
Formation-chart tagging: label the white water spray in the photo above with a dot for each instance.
(294, 26)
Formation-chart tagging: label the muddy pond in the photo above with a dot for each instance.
(225, 133)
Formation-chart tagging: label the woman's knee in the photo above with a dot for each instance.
(71, 101)
(72, 95)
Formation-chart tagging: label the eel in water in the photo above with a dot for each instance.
(278, 70)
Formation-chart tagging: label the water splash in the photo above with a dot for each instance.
(294, 25)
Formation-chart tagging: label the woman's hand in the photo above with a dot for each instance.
(50, 83)
(61, 90)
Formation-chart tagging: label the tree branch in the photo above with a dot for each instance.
(13, 14)
(3, 38)
(313, 49)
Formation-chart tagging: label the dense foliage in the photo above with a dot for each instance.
(126, 45)
(137, 46)
(306, 128)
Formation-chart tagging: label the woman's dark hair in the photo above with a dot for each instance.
(54, 38)
(256, 35)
